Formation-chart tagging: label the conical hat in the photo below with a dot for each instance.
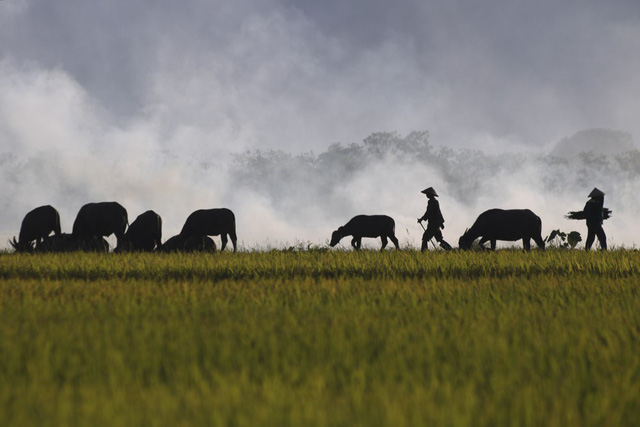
(595, 193)
(430, 192)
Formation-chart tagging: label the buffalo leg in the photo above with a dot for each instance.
(234, 239)
(526, 242)
(223, 238)
(483, 241)
(539, 241)
(119, 238)
(384, 242)
(354, 242)
(157, 241)
(395, 241)
(149, 245)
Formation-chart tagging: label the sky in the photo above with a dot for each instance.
(124, 100)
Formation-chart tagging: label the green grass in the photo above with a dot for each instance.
(321, 338)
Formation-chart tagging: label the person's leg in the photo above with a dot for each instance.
(602, 238)
(443, 244)
(591, 235)
(426, 236)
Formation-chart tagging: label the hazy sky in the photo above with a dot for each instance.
(105, 86)
(300, 75)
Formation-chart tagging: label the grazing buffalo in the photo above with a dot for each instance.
(366, 226)
(183, 243)
(199, 244)
(510, 225)
(144, 234)
(69, 243)
(212, 222)
(101, 219)
(37, 225)
(173, 244)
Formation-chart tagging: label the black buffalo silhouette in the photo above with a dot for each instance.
(64, 242)
(212, 222)
(510, 225)
(101, 219)
(143, 234)
(36, 226)
(184, 243)
(360, 226)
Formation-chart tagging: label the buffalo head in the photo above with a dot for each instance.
(465, 241)
(336, 236)
(21, 246)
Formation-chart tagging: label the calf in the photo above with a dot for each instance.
(64, 242)
(182, 243)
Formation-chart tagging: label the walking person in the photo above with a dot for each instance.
(435, 221)
(594, 214)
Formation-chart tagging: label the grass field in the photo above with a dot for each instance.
(321, 338)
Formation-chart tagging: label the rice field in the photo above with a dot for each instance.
(321, 338)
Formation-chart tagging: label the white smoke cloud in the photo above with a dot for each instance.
(69, 155)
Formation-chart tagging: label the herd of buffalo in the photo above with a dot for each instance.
(98, 220)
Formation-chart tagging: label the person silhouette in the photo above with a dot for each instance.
(435, 221)
(594, 214)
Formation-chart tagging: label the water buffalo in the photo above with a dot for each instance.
(183, 243)
(199, 244)
(144, 234)
(37, 225)
(510, 225)
(64, 242)
(366, 226)
(212, 222)
(101, 219)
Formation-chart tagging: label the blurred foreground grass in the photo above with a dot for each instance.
(321, 338)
